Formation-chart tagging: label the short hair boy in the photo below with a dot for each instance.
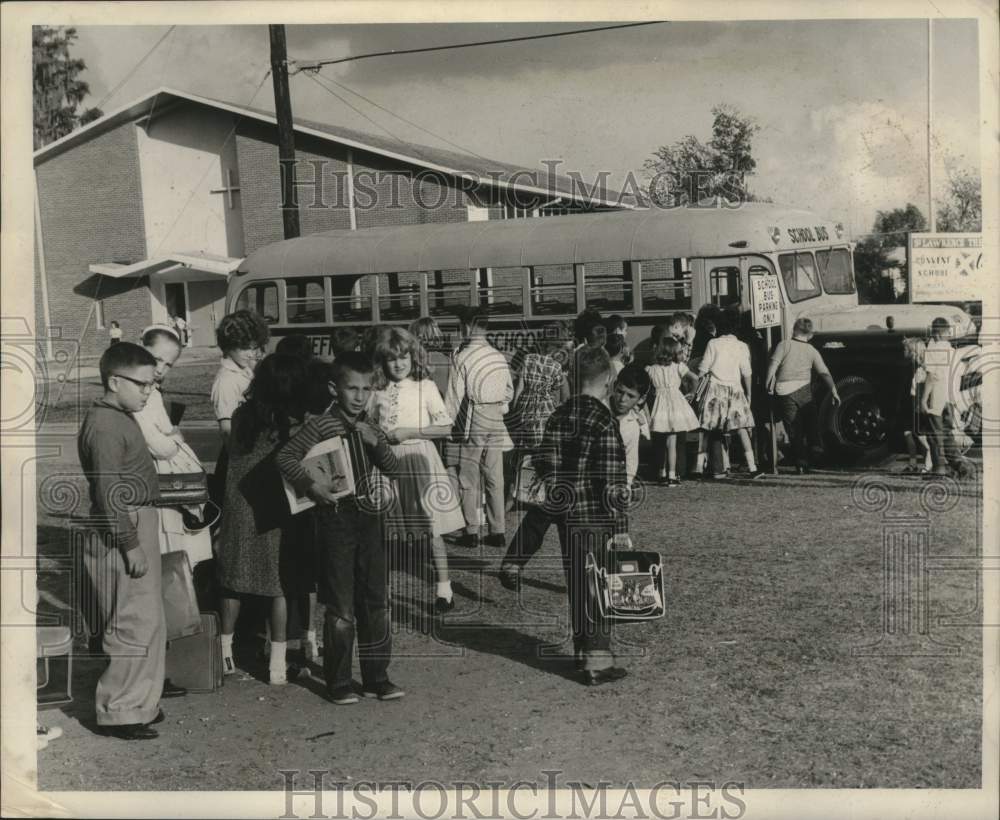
(582, 459)
(353, 580)
(627, 398)
(124, 564)
(936, 404)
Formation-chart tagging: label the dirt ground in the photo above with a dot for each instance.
(753, 676)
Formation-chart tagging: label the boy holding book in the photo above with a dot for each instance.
(353, 578)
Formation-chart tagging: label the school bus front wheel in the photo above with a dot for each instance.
(857, 430)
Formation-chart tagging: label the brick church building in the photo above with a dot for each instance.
(143, 213)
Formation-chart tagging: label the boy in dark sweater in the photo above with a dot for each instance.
(123, 561)
(353, 580)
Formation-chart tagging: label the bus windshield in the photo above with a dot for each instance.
(798, 270)
(835, 270)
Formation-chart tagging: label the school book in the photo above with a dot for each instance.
(329, 463)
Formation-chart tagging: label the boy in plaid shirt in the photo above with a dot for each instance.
(582, 459)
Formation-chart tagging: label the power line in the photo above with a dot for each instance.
(135, 68)
(399, 116)
(315, 65)
(354, 108)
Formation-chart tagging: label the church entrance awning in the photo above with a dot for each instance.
(202, 262)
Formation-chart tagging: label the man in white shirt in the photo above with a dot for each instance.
(480, 373)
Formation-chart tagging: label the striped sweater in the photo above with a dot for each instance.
(320, 428)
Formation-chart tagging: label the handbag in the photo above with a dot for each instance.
(461, 429)
(629, 587)
(180, 604)
(529, 487)
(182, 480)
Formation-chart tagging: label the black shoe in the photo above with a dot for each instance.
(599, 676)
(510, 577)
(469, 541)
(344, 696)
(160, 717)
(172, 691)
(386, 690)
(443, 605)
(755, 474)
(130, 731)
(673, 482)
(497, 539)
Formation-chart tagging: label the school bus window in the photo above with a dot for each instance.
(262, 298)
(501, 290)
(835, 270)
(399, 296)
(305, 301)
(798, 270)
(352, 298)
(553, 290)
(447, 290)
(666, 286)
(724, 286)
(608, 285)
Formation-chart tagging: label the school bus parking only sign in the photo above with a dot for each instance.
(946, 267)
(765, 300)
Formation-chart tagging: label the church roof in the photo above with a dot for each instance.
(489, 172)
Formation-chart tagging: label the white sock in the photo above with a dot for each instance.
(444, 590)
(227, 645)
(277, 662)
(311, 636)
(672, 474)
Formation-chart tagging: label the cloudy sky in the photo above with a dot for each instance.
(841, 104)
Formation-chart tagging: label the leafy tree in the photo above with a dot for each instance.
(962, 212)
(690, 170)
(58, 91)
(871, 254)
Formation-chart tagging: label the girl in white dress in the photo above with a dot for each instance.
(407, 405)
(671, 412)
(170, 452)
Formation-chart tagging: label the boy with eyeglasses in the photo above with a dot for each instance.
(123, 561)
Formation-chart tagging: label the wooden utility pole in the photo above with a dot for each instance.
(286, 132)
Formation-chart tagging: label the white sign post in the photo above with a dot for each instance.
(946, 267)
(765, 304)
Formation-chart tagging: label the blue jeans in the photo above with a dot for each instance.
(354, 585)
